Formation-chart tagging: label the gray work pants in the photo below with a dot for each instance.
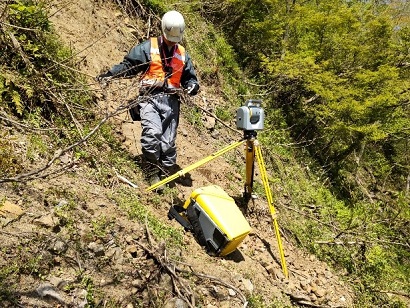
(159, 122)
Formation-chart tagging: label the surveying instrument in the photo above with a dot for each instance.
(250, 119)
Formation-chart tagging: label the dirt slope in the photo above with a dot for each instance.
(101, 34)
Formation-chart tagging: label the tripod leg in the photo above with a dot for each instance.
(269, 197)
(250, 168)
(195, 165)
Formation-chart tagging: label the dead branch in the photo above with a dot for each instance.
(160, 256)
(17, 46)
(125, 180)
(35, 174)
(214, 279)
(340, 242)
(393, 292)
(189, 100)
(15, 123)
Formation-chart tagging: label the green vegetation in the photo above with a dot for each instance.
(334, 77)
(132, 205)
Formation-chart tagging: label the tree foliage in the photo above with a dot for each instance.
(339, 73)
(31, 74)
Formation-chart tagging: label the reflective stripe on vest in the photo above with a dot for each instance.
(155, 74)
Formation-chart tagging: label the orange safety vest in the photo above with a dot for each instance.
(155, 75)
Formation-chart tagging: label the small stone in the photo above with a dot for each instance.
(248, 285)
(58, 247)
(132, 250)
(98, 249)
(299, 297)
(231, 292)
(313, 297)
(320, 292)
(304, 284)
(279, 274)
(10, 210)
(46, 221)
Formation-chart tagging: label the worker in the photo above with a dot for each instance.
(166, 70)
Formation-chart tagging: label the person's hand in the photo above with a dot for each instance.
(192, 89)
(103, 79)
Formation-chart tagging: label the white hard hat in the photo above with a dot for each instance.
(173, 26)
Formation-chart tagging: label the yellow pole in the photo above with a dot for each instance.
(250, 159)
(195, 165)
(269, 197)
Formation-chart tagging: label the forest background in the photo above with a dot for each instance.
(334, 78)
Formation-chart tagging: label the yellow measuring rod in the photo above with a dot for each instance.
(269, 197)
(195, 165)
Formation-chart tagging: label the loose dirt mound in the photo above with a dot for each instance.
(125, 266)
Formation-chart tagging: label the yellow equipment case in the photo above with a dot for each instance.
(214, 218)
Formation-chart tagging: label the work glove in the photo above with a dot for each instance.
(192, 89)
(104, 78)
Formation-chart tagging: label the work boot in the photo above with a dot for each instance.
(154, 179)
(167, 171)
(152, 174)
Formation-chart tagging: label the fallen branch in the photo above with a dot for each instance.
(160, 256)
(188, 99)
(393, 292)
(26, 126)
(124, 180)
(215, 279)
(340, 242)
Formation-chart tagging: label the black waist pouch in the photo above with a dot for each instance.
(135, 113)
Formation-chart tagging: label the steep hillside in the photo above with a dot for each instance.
(90, 248)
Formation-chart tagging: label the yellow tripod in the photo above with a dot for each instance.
(252, 150)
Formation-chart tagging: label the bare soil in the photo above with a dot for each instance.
(126, 267)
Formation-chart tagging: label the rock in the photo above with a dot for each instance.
(248, 285)
(218, 293)
(299, 297)
(328, 275)
(231, 292)
(96, 248)
(10, 210)
(114, 253)
(184, 132)
(175, 303)
(209, 122)
(319, 292)
(270, 269)
(279, 274)
(132, 250)
(48, 290)
(47, 221)
(137, 283)
(58, 247)
(215, 134)
(225, 304)
(313, 297)
(304, 284)
(58, 282)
